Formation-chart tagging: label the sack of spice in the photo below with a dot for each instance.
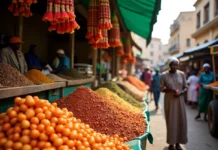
(55, 78)
(37, 77)
(132, 90)
(10, 77)
(74, 74)
(107, 94)
(112, 86)
(103, 115)
(137, 83)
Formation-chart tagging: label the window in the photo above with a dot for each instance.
(199, 20)
(159, 57)
(160, 47)
(197, 44)
(151, 54)
(205, 41)
(151, 61)
(188, 42)
(152, 45)
(216, 7)
(206, 13)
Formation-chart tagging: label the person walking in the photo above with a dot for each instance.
(192, 92)
(173, 84)
(205, 95)
(155, 86)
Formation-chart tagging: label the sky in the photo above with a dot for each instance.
(170, 10)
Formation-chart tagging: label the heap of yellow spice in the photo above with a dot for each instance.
(37, 77)
(107, 94)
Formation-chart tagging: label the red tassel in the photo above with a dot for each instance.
(48, 16)
(11, 8)
(69, 9)
(64, 15)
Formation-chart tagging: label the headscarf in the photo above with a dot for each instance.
(60, 51)
(206, 65)
(15, 40)
(172, 59)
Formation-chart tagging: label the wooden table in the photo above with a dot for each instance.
(17, 91)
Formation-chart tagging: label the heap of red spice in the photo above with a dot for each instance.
(103, 115)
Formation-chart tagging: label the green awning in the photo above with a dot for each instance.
(139, 16)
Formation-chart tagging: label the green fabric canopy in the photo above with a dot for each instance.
(139, 16)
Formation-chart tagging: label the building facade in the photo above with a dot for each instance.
(206, 18)
(154, 52)
(180, 33)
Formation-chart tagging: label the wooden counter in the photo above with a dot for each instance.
(80, 81)
(18, 91)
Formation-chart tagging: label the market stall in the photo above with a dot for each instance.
(213, 106)
(50, 25)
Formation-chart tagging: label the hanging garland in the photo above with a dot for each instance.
(60, 14)
(104, 15)
(120, 51)
(127, 48)
(21, 7)
(103, 43)
(114, 33)
(93, 34)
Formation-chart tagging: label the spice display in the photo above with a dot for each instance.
(74, 74)
(21, 7)
(65, 77)
(38, 125)
(112, 86)
(60, 14)
(107, 94)
(103, 115)
(37, 77)
(10, 77)
(55, 78)
(137, 83)
(131, 89)
(114, 33)
(213, 84)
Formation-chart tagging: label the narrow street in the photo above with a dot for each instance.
(198, 134)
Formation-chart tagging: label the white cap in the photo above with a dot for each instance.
(60, 51)
(206, 65)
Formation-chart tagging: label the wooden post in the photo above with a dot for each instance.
(72, 49)
(100, 63)
(113, 63)
(94, 61)
(214, 66)
(20, 30)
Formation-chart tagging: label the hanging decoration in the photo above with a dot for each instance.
(99, 22)
(106, 57)
(93, 34)
(127, 49)
(104, 15)
(120, 51)
(103, 43)
(114, 33)
(21, 7)
(124, 61)
(60, 14)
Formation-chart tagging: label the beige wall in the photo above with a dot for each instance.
(210, 33)
(155, 47)
(187, 24)
(200, 8)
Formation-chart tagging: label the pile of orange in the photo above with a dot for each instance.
(34, 124)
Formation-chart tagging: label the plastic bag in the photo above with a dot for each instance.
(161, 103)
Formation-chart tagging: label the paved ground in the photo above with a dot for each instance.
(198, 135)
